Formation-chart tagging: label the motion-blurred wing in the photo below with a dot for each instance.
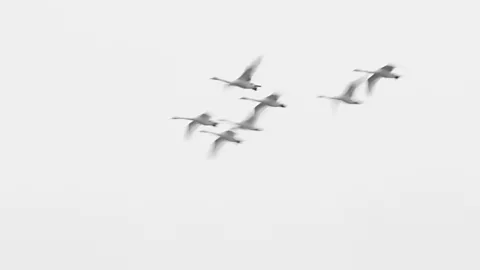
(229, 133)
(273, 97)
(371, 82)
(252, 118)
(204, 116)
(387, 68)
(259, 108)
(190, 128)
(250, 70)
(216, 145)
(353, 86)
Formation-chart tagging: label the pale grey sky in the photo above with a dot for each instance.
(95, 175)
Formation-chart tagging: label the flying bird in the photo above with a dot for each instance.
(248, 123)
(383, 72)
(202, 119)
(244, 81)
(226, 136)
(269, 101)
(347, 95)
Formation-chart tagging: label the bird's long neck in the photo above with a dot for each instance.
(222, 80)
(210, 132)
(183, 118)
(333, 99)
(252, 99)
(227, 121)
(363, 70)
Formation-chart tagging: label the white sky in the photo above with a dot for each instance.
(94, 174)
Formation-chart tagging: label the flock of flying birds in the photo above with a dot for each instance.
(245, 82)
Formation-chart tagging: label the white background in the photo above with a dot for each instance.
(95, 175)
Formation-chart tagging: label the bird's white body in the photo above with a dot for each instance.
(228, 135)
(347, 100)
(269, 101)
(343, 99)
(386, 74)
(205, 122)
(347, 96)
(239, 83)
(244, 81)
(203, 119)
(247, 124)
(383, 72)
(244, 84)
(380, 73)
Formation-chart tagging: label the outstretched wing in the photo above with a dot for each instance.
(216, 145)
(250, 70)
(387, 68)
(190, 128)
(252, 118)
(259, 108)
(353, 86)
(229, 133)
(273, 97)
(204, 116)
(375, 77)
(371, 82)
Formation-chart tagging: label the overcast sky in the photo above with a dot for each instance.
(95, 175)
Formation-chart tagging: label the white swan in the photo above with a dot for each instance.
(244, 81)
(383, 72)
(225, 136)
(202, 119)
(247, 124)
(347, 95)
(269, 101)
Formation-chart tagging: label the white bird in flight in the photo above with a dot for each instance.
(223, 137)
(269, 101)
(202, 119)
(244, 81)
(347, 95)
(383, 72)
(248, 124)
